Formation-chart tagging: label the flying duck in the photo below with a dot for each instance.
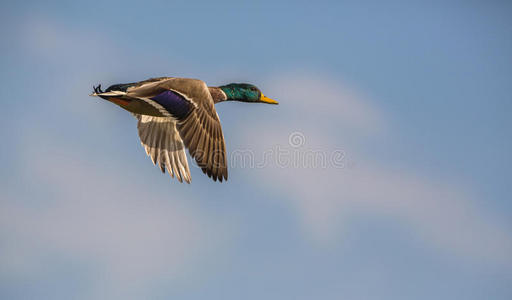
(174, 113)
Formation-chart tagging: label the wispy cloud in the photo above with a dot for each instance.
(98, 215)
(321, 98)
(442, 214)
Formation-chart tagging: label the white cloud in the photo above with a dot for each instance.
(321, 98)
(441, 214)
(99, 215)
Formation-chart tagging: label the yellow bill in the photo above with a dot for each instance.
(266, 99)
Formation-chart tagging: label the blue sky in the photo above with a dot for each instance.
(416, 95)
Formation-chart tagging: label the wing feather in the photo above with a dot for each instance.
(163, 145)
(205, 143)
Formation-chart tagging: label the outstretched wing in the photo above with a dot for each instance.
(163, 144)
(202, 134)
(200, 128)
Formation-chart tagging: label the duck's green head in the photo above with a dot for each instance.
(246, 93)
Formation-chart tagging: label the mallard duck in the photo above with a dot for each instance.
(174, 113)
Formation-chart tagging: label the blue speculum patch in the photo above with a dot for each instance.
(174, 103)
